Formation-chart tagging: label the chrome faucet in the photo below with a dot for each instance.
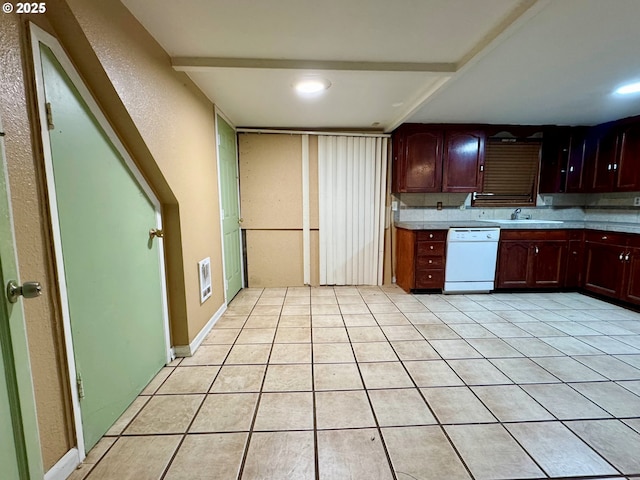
(516, 214)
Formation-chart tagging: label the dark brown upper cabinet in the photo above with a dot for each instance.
(602, 147)
(437, 159)
(463, 161)
(562, 167)
(577, 171)
(614, 156)
(417, 162)
(554, 159)
(628, 166)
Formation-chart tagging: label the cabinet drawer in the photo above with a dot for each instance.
(534, 235)
(430, 279)
(428, 262)
(434, 236)
(608, 238)
(430, 248)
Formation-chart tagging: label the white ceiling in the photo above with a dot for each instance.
(488, 61)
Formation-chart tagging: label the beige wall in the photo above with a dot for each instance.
(168, 127)
(271, 205)
(33, 237)
(175, 122)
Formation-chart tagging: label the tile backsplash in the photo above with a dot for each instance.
(610, 207)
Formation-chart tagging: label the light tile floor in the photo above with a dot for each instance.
(372, 383)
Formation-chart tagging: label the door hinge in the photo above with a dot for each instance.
(80, 386)
(47, 108)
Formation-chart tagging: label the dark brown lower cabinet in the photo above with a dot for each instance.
(604, 268)
(513, 269)
(420, 259)
(631, 290)
(575, 260)
(606, 263)
(612, 265)
(532, 259)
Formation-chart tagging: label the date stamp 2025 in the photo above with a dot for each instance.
(24, 7)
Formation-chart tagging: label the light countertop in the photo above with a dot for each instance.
(570, 224)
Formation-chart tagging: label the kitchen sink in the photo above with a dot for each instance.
(531, 221)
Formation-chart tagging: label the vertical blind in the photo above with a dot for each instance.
(352, 184)
(510, 173)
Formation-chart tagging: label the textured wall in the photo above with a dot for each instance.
(34, 260)
(167, 125)
(271, 198)
(271, 203)
(175, 121)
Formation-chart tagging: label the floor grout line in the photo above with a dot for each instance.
(460, 302)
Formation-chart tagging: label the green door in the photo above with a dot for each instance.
(19, 443)
(231, 212)
(111, 266)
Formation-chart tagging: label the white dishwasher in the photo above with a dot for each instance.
(471, 259)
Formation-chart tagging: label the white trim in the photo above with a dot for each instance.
(306, 228)
(65, 466)
(189, 350)
(312, 132)
(218, 112)
(40, 36)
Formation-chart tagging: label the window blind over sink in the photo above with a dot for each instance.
(510, 173)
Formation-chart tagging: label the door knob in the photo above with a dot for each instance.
(156, 232)
(27, 290)
(240, 220)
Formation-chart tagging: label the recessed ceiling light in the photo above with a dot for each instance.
(628, 88)
(312, 85)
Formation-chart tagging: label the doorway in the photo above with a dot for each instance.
(229, 201)
(109, 265)
(20, 455)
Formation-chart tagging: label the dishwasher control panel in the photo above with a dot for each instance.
(473, 235)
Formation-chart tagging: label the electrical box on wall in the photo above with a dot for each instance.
(204, 272)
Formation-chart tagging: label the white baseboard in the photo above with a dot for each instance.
(189, 350)
(65, 466)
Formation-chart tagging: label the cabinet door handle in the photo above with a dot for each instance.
(430, 276)
(536, 249)
(615, 166)
(482, 168)
(604, 237)
(609, 167)
(621, 256)
(430, 262)
(431, 235)
(431, 247)
(570, 168)
(627, 256)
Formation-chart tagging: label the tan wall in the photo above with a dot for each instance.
(274, 258)
(43, 321)
(271, 206)
(175, 122)
(270, 181)
(168, 127)
(271, 203)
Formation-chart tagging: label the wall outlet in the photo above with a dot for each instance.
(636, 202)
(394, 206)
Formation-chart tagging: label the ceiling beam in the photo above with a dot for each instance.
(195, 64)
